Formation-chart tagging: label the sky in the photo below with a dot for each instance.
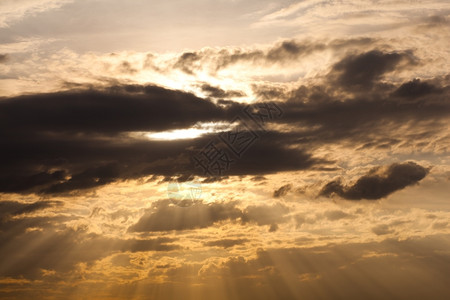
(227, 149)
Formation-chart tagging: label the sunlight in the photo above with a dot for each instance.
(186, 133)
(178, 134)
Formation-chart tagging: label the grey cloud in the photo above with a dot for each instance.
(217, 92)
(382, 229)
(15, 219)
(333, 270)
(301, 219)
(79, 138)
(379, 182)
(226, 243)
(416, 88)
(440, 225)
(117, 109)
(290, 50)
(266, 214)
(127, 68)
(282, 191)
(435, 21)
(51, 250)
(144, 245)
(280, 53)
(14, 208)
(186, 62)
(168, 215)
(3, 58)
(363, 70)
(258, 178)
(334, 215)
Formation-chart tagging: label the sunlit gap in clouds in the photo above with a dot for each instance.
(187, 133)
(230, 79)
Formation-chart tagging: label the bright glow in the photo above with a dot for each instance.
(188, 133)
(178, 134)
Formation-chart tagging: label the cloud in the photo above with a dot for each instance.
(279, 54)
(168, 215)
(364, 69)
(299, 273)
(117, 109)
(282, 191)
(382, 116)
(186, 62)
(378, 183)
(71, 141)
(51, 250)
(17, 9)
(416, 88)
(145, 245)
(14, 208)
(3, 58)
(14, 217)
(382, 229)
(83, 139)
(334, 215)
(217, 92)
(266, 214)
(226, 243)
(80, 140)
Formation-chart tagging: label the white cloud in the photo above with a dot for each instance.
(13, 10)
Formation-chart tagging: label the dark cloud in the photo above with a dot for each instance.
(14, 208)
(145, 245)
(14, 217)
(226, 243)
(61, 250)
(258, 178)
(3, 58)
(186, 62)
(118, 109)
(371, 120)
(435, 21)
(71, 141)
(416, 88)
(281, 53)
(286, 51)
(290, 50)
(282, 191)
(379, 182)
(363, 70)
(217, 92)
(167, 215)
(331, 271)
(127, 68)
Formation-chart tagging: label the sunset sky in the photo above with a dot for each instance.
(224, 149)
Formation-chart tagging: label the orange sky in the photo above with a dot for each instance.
(231, 149)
